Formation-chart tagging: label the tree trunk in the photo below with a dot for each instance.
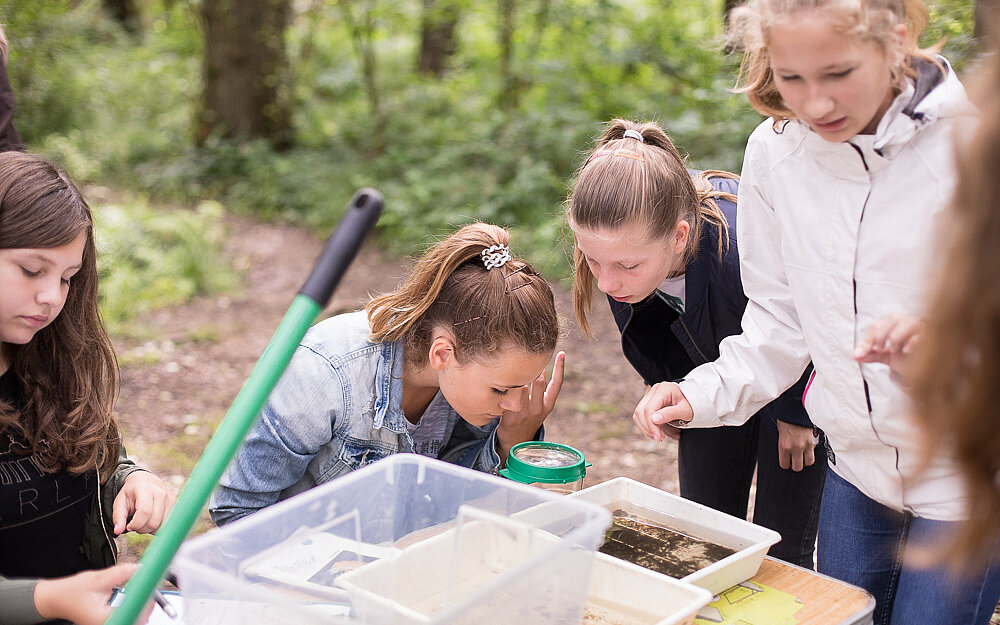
(246, 71)
(438, 42)
(362, 29)
(125, 13)
(506, 20)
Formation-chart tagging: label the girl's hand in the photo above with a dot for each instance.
(796, 446)
(142, 504)
(537, 402)
(891, 340)
(83, 598)
(662, 406)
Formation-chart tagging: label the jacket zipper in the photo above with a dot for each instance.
(704, 358)
(854, 283)
(100, 510)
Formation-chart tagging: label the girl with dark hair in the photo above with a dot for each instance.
(68, 488)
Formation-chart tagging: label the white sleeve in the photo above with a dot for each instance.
(758, 365)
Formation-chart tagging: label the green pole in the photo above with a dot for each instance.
(340, 250)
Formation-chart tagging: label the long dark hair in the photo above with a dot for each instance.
(68, 370)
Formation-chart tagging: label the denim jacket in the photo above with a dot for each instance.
(338, 407)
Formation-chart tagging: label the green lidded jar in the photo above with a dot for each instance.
(552, 466)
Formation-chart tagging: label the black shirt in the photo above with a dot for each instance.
(42, 514)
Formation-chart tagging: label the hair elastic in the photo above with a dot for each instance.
(633, 134)
(495, 256)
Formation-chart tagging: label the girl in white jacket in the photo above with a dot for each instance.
(839, 203)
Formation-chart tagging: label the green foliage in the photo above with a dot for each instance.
(120, 110)
(150, 257)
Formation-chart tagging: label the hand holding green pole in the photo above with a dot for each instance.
(340, 250)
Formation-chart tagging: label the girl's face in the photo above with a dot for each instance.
(35, 284)
(838, 85)
(626, 264)
(482, 391)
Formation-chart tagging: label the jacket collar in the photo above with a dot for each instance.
(388, 390)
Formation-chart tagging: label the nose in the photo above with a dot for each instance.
(818, 103)
(512, 400)
(51, 293)
(607, 282)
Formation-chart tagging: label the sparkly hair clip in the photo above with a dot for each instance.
(495, 256)
(623, 153)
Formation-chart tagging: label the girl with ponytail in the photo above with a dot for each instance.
(450, 365)
(659, 240)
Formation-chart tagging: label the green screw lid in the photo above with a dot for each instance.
(541, 461)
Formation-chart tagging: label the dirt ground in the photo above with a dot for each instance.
(178, 383)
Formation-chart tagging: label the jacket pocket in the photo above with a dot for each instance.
(358, 453)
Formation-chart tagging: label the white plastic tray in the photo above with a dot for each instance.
(750, 541)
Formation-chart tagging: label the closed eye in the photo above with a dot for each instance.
(501, 391)
(842, 74)
(29, 273)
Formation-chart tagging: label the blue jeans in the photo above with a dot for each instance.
(716, 468)
(862, 542)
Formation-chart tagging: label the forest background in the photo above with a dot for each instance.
(219, 141)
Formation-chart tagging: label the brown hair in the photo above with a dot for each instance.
(748, 29)
(956, 370)
(485, 309)
(68, 370)
(643, 183)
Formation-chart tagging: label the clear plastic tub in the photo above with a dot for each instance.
(749, 542)
(282, 564)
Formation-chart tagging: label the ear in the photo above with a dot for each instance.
(681, 232)
(899, 33)
(441, 353)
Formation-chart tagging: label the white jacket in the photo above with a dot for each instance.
(832, 237)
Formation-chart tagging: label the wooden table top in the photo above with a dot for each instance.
(825, 601)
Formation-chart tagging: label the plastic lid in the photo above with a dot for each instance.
(541, 461)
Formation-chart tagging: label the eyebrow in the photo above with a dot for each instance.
(48, 261)
(825, 68)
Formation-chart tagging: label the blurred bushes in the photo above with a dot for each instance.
(119, 110)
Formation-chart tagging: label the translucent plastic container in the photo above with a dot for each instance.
(749, 542)
(286, 563)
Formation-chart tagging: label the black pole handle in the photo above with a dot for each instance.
(343, 245)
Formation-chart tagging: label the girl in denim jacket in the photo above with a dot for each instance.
(66, 487)
(451, 365)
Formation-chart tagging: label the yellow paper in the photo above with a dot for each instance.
(750, 603)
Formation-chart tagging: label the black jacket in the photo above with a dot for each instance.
(713, 309)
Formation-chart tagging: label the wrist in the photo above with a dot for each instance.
(46, 597)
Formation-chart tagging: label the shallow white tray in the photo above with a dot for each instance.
(750, 541)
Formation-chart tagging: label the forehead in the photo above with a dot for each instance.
(65, 256)
(626, 241)
(508, 367)
(813, 40)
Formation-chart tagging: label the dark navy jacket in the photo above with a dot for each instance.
(713, 308)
